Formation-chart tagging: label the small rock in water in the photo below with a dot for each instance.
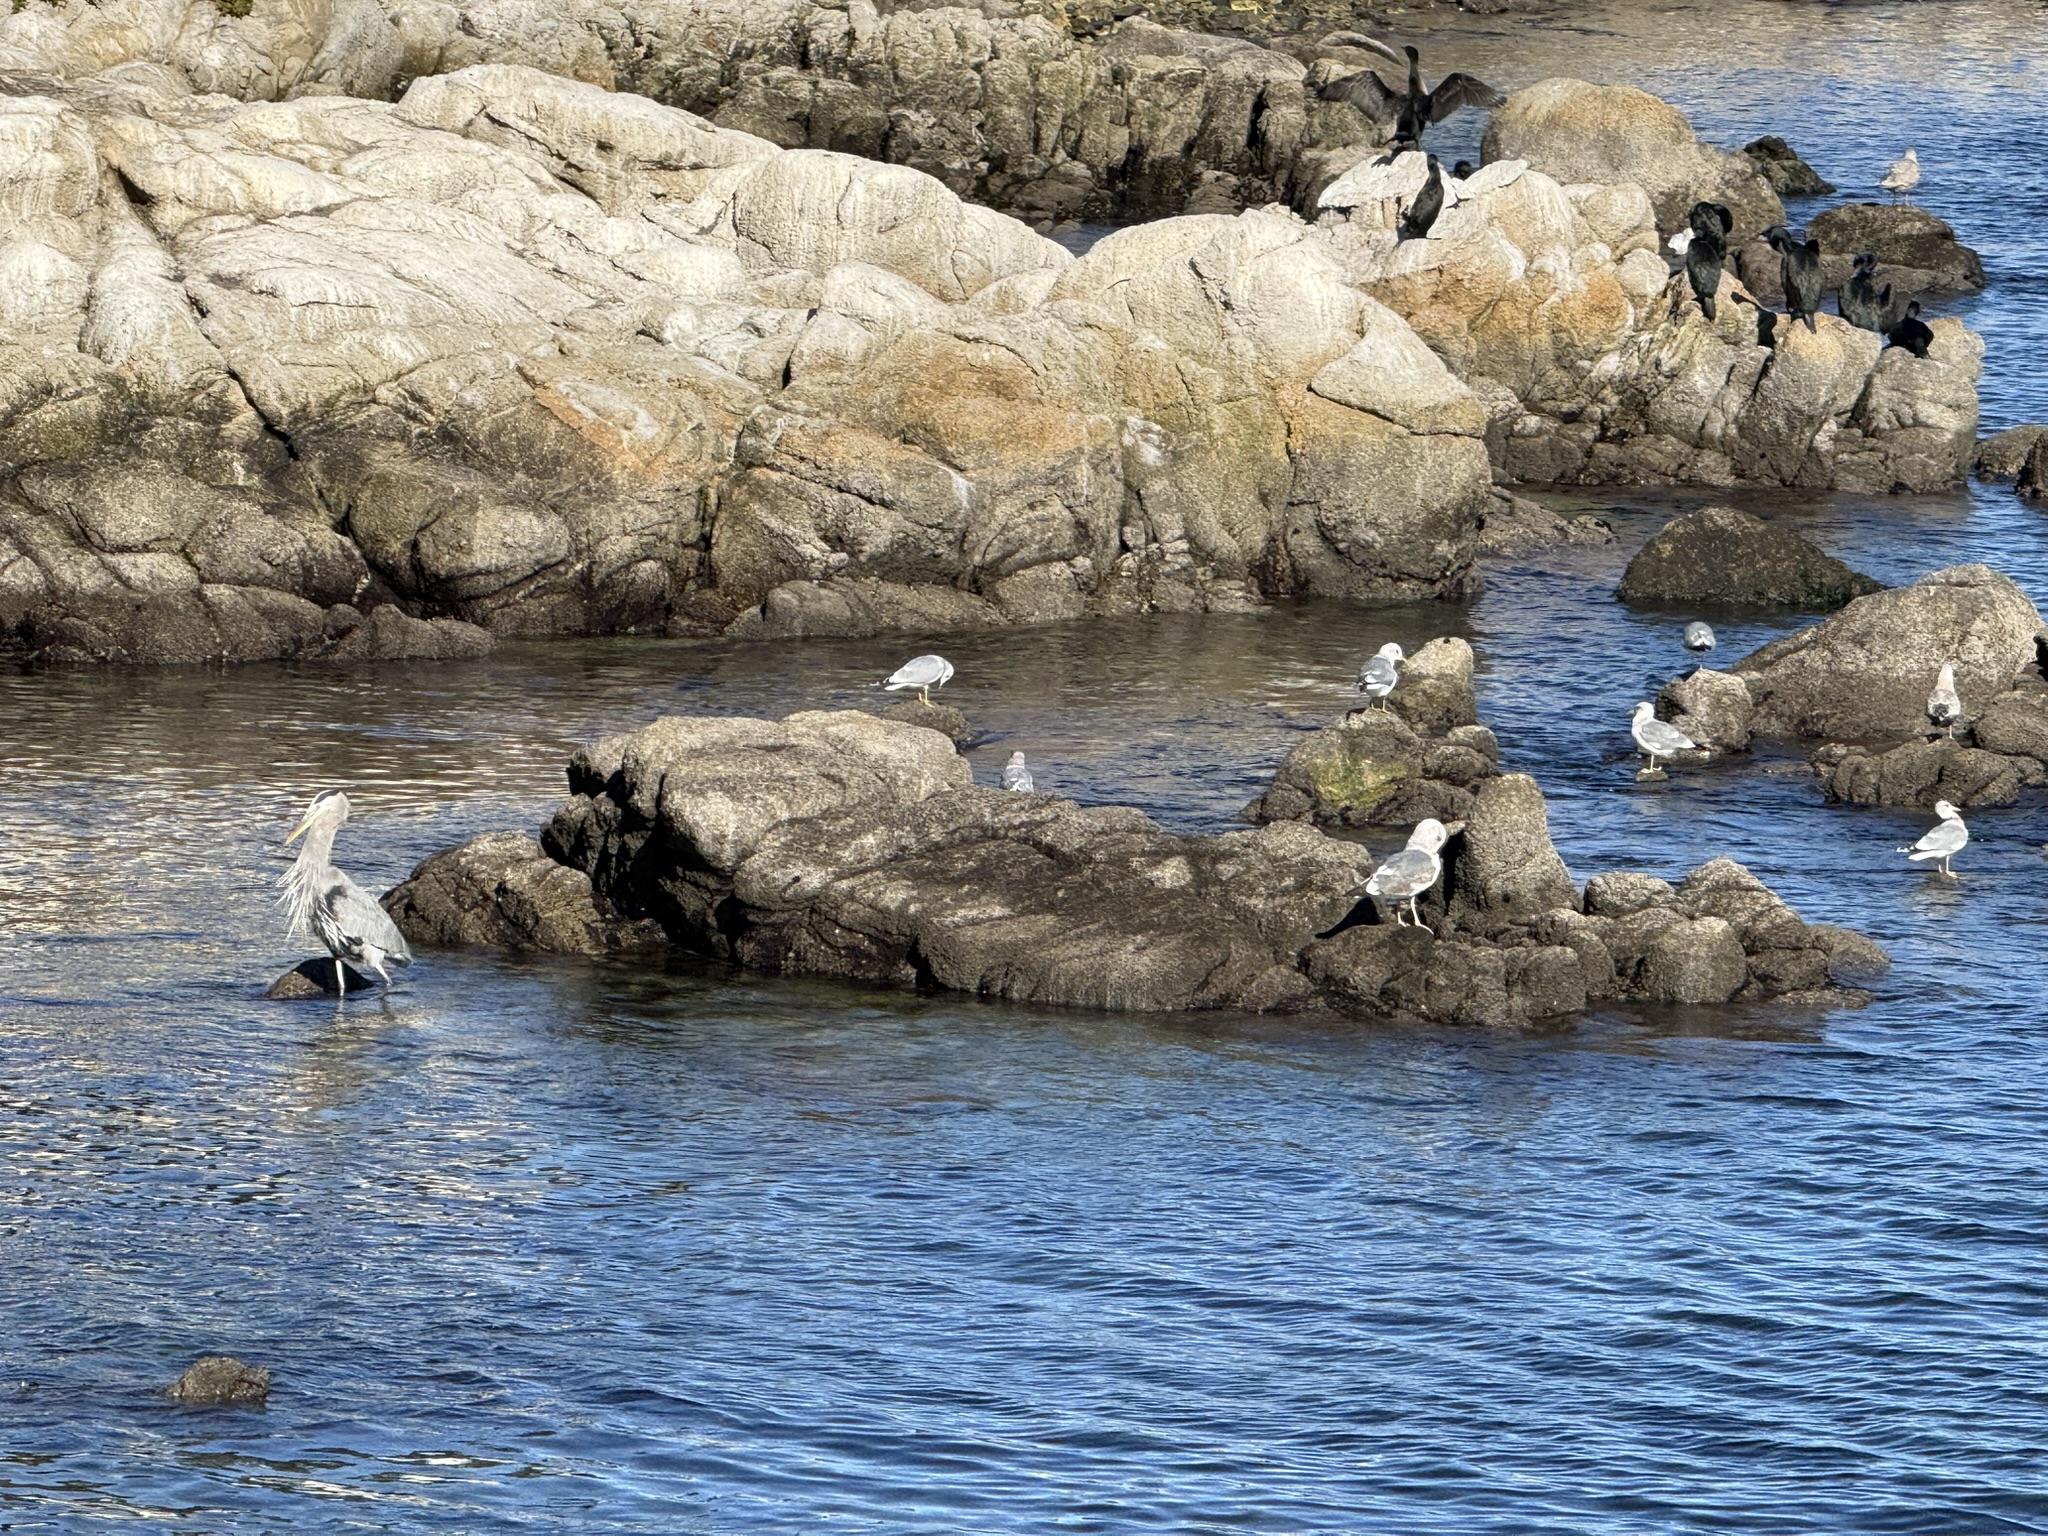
(2003, 455)
(222, 1381)
(315, 978)
(1781, 166)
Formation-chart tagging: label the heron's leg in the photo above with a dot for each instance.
(340, 978)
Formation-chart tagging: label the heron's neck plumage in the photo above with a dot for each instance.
(308, 875)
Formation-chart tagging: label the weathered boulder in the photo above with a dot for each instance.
(1505, 870)
(1720, 555)
(943, 718)
(2015, 724)
(1713, 708)
(503, 890)
(1436, 690)
(1781, 166)
(1517, 526)
(2033, 476)
(1373, 769)
(1696, 960)
(1864, 673)
(1922, 772)
(2003, 455)
(387, 633)
(221, 1381)
(1917, 252)
(1577, 132)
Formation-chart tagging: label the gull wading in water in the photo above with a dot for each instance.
(1657, 738)
(326, 905)
(1017, 775)
(1407, 875)
(1944, 704)
(1377, 678)
(1944, 841)
(924, 673)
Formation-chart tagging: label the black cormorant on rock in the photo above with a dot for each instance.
(1912, 333)
(1708, 249)
(1800, 265)
(1861, 302)
(1410, 111)
(1429, 202)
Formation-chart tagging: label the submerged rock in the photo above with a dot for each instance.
(1719, 555)
(221, 1381)
(1518, 526)
(1922, 772)
(316, 978)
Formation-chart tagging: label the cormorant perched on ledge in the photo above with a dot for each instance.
(1912, 333)
(1860, 301)
(1409, 112)
(1799, 264)
(1429, 202)
(1706, 251)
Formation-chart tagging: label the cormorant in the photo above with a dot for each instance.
(1429, 202)
(1413, 110)
(1799, 265)
(1861, 302)
(1706, 251)
(1912, 333)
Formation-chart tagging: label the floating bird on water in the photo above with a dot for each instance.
(1462, 171)
(1378, 677)
(1699, 637)
(1407, 875)
(1413, 110)
(1912, 333)
(1706, 251)
(1017, 775)
(1944, 704)
(1657, 738)
(326, 905)
(1799, 265)
(1428, 204)
(924, 673)
(1947, 838)
(1904, 175)
(1861, 302)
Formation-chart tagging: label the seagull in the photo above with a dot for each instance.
(1903, 177)
(1944, 841)
(1017, 776)
(924, 673)
(1657, 738)
(1408, 874)
(1944, 704)
(1699, 637)
(1376, 679)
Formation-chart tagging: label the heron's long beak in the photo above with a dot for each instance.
(299, 831)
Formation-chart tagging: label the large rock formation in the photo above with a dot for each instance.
(837, 844)
(1720, 555)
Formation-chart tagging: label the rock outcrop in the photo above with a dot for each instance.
(1713, 708)
(221, 1381)
(1781, 166)
(1373, 769)
(2003, 455)
(1917, 253)
(1720, 555)
(1516, 526)
(502, 890)
(837, 844)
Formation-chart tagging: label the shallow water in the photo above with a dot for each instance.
(567, 1247)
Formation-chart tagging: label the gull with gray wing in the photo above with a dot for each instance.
(924, 673)
(1407, 875)
(1944, 840)
(1657, 738)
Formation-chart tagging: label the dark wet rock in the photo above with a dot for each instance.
(1504, 869)
(1517, 526)
(2015, 724)
(1917, 253)
(2032, 482)
(1713, 708)
(1920, 773)
(503, 890)
(943, 718)
(221, 1381)
(1373, 769)
(1782, 167)
(1696, 960)
(315, 978)
(389, 634)
(2003, 455)
(1863, 674)
(1719, 555)
(1436, 691)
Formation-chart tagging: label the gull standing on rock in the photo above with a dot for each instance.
(1699, 637)
(1944, 704)
(1017, 775)
(1376, 679)
(1944, 841)
(1657, 738)
(1904, 175)
(924, 673)
(326, 905)
(1411, 872)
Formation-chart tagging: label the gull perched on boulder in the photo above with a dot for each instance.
(1411, 872)
(1657, 738)
(1017, 774)
(924, 673)
(1944, 704)
(1947, 838)
(1378, 677)
(1904, 175)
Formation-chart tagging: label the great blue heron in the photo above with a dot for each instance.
(1017, 774)
(1904, 175)
(1658, 738)
(1377, 678)
(326, 905)
(1408, 874)
(924, 673)
(1947, 838)
(1912, 333)
(1413, 110)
